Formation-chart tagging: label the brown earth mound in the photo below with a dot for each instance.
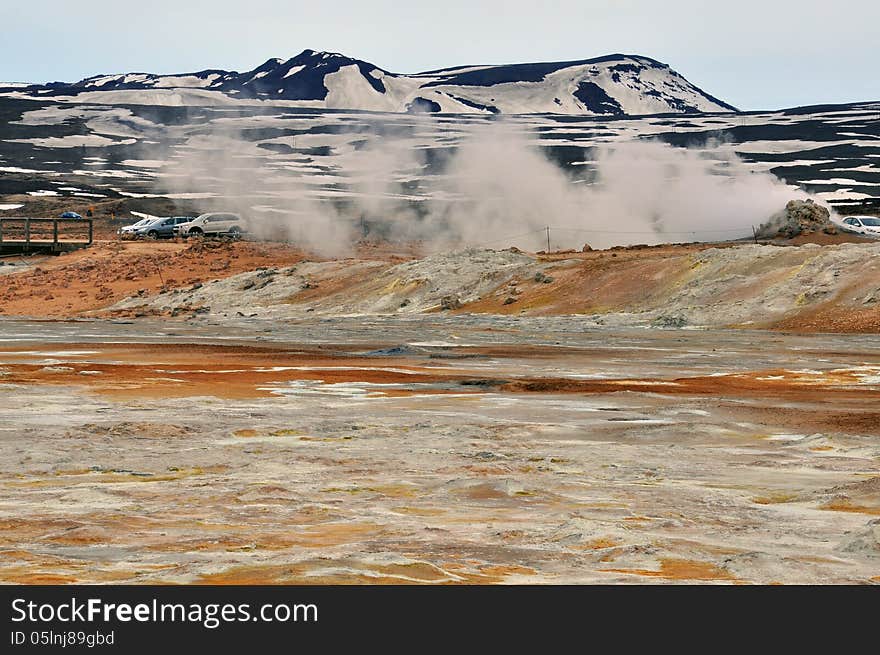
(109, 271)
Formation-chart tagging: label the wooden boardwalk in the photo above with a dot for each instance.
(26, 236)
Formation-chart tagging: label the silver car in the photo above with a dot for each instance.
(213, 224)
(127, 231)
(162, 228)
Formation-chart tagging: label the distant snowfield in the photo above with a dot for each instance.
(843, 194)
(16, 169)
(57, 114)
(161, 97)
(839, 181)
(105, 173)
(806, 162)
(867, 168)
(8, 207)
(173, 196)
(74, 141)
(144, 163)
(185, 81)
(781, 147)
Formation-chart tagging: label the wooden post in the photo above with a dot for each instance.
(55, 232)
(91, 228)
(27, 235)
(548, 239)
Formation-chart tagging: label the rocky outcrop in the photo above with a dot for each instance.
(798, 217)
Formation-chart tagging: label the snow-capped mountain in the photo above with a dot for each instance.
(614, 85)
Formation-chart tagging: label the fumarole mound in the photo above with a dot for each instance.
(798, 217)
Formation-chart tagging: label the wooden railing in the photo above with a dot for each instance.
(28, 235)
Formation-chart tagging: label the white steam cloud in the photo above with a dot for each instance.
(495, 187)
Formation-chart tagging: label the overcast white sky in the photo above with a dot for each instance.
(755, 54)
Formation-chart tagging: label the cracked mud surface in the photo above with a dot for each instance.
(435, 449)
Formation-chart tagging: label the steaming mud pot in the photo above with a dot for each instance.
(435, 449)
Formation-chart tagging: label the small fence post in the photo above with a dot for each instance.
(55, 232)
(27, 235)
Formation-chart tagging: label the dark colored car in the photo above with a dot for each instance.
(71, 215)
(162, 228)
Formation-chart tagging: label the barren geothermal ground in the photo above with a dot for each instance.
(373, 406)
(435, 448)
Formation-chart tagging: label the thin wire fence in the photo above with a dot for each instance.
(546, 231)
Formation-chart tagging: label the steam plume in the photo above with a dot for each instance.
(494, 185)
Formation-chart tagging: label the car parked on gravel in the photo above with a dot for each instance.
(127, 231)
(867, 225)
(212, 224)
(71, 215)
(162, 228)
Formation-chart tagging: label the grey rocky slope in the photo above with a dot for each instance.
(743, 285)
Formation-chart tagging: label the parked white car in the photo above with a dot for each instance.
(211, 225)
(867, 225)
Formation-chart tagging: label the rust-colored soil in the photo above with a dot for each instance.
(681, 569)
(110, 271)
(775, 383)
(185, 370)
(180, 370)
(413, 573)
(592, 282)
(829, 317)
